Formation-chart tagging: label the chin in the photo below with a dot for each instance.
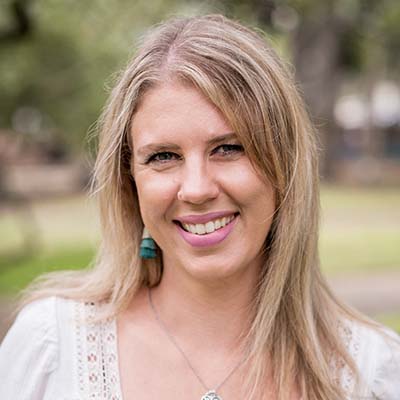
(209, 269)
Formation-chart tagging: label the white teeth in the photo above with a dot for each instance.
(209, 227)
(200, 229)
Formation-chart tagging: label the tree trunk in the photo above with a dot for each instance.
(316, 51)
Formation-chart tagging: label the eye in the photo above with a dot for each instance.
(162, 157)
(228, 149)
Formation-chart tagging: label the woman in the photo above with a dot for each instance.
(206, 143)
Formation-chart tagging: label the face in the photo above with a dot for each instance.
(200, 197)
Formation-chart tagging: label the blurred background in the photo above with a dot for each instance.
(58, 61)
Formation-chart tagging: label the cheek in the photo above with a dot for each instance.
(246, 186)
(155, 194)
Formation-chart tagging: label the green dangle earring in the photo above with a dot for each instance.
(148, 246)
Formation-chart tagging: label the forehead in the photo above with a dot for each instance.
(176, 111)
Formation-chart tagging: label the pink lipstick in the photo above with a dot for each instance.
(207, 239)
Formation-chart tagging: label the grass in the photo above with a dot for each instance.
(360, 229)
(16, 271)
(390, 320)
(368, 250)
(356, 198)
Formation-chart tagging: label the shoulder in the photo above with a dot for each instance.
(385, 382)
(35, 331)
(38, 311)
(30, 351)
(37, 320)
(378, 359)
(41, 318)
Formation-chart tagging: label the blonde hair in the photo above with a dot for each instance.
(297, 319)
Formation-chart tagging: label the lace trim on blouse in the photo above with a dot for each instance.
(351, 340)
(97, 355)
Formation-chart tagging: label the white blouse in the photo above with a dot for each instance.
(50, 354)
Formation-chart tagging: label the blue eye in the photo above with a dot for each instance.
(162, 157)
(228, 149)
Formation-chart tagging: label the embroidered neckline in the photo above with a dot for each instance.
(98, 368)
(351, 340)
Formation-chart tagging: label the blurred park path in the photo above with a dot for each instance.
(373, 294)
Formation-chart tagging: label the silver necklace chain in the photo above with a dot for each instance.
(212, 393)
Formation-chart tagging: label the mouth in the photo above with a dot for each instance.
(207, 227)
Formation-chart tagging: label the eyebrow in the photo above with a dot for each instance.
(156, 147)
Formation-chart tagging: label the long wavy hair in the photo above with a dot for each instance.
(296, 324)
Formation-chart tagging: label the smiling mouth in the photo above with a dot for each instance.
(208, 227)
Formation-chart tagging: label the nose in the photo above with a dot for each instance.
(198, 184)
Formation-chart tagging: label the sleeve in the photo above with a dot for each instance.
(28, 354)
(386, 383)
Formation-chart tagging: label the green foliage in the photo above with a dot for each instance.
(389, 26)
(61, 66)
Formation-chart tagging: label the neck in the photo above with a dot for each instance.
(217, 314)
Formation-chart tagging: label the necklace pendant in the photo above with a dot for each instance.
(211, 395)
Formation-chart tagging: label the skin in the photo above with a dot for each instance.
(185, 164)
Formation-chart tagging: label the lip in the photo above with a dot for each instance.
(209, 239)
(203, 218)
